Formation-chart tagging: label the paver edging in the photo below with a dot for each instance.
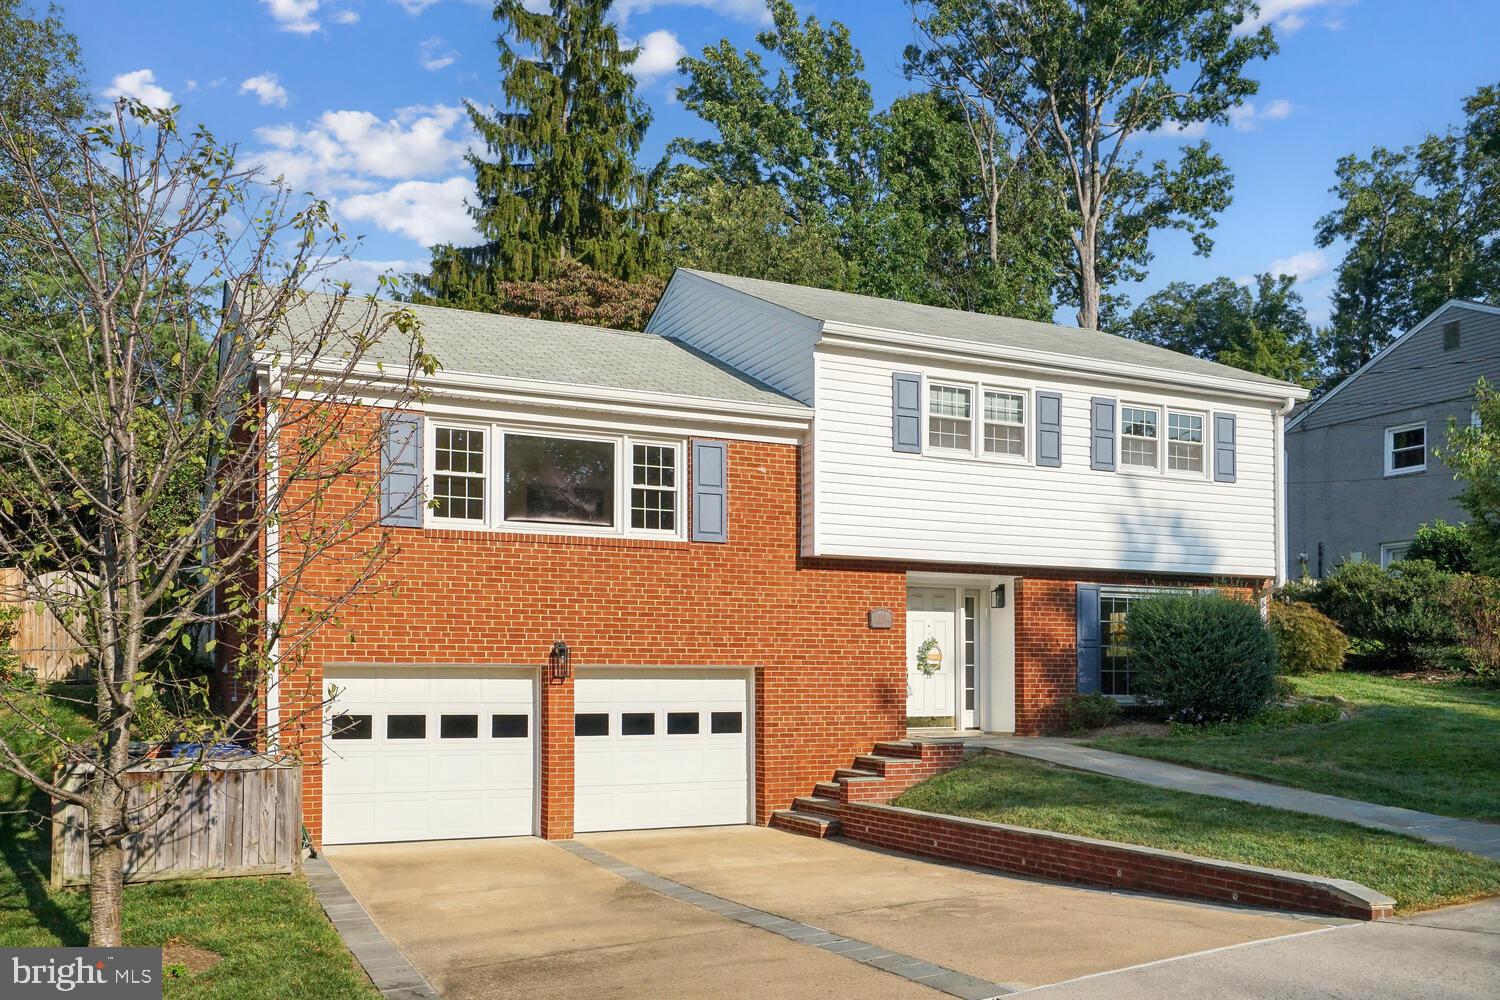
(394, 976)
(1087, 860)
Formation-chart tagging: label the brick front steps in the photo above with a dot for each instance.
(855, 805)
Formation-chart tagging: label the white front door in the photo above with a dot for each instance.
(428, 753)
(930, 615)
(659, 749)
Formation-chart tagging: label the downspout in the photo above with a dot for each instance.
(273, 570)
(1280, 472)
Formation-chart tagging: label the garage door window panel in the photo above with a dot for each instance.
(591, 724)
(721, 723)
(406, 727)
(352, 727)
(459, 727)
(637, 723)
(509, 727)
(682, 723)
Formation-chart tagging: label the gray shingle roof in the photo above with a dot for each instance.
(977, 328)
(476, 343)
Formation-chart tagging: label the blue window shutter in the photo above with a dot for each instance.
(1102, 434)
(401, 494)
(1088, 638)
(906, 412)
(710, 491)
(1049, 429)
(1224, 447)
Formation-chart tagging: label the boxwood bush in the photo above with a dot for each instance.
(1201, 658)
(1307, 640)
(1398, 617)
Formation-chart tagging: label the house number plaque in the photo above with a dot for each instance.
(882, 618)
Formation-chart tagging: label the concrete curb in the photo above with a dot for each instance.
(388, 969)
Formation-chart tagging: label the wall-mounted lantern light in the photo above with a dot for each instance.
(997, 596)
(559, 662)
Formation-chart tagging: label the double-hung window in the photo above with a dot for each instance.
(1116, 671)
(1185, 442)
(1405, 449)
(1139, 435)
(1004, 423)
(458, 480)
(950, 417)
(653, 487)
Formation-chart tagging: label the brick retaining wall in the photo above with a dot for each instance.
(1068, 858)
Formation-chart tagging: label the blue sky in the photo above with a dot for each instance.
(359, 100)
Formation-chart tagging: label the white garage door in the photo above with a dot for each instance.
(428, 753)
(661, 749)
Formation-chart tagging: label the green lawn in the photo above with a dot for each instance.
(1001, 789)
(1428, 746)
(273, 939)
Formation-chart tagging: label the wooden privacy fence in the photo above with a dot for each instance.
(44, 646)
(240, 817)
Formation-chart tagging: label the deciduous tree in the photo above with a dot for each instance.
(1075, 83)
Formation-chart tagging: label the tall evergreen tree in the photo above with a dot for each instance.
(558, 178)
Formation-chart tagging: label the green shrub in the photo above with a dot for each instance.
(1201, 658)
(1474, 603)
(1397, 617)
(1307, 640)
(1449, 547)
(1087, 712)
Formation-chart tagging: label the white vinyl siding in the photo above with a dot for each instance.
(874, 502)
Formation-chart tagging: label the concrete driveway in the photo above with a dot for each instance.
(509, 918)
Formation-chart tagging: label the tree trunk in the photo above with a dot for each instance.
(1088, 283)
(106, 885)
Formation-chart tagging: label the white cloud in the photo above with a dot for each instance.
(434, 55)
(415, 7)
(295, 16)
(364, 275)
(427, 211)
(1249, 118)
(1287, 16)
(750, 11)
(266, 88)
(346, 17)
(1306, 265)
(1177, 130)
(344, 150)
(659, 53)
(140, 85)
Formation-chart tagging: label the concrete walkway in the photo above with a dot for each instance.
(1466, 835)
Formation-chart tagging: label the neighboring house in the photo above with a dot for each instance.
(744, 524)
(1362, 468)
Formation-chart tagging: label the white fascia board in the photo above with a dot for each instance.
(948, 349)
(792, 418)
(1388, 348)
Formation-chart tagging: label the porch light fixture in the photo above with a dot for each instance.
(559, 662)
(997, 596)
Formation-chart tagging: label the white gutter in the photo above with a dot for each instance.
(273, 576)
(907, 343)
(1279, 472)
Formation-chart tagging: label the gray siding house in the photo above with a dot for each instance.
(1361, 470)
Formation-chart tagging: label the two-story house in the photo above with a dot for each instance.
(1363, 471)
(746, 526)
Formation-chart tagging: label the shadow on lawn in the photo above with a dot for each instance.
(24, 850)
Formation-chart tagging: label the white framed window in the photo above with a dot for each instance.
(1004, 423)
(950, 417)
(1140, 435)
(1185, 443)
(655, 492)
(1405, 449)
(459, 473)
(556, 480)
(1393, 552)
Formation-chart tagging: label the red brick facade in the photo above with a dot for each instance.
(826, 686)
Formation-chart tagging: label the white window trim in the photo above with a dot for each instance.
(1161, 441)
(928, 416)
(494, 520)
(1203, 446)
(1390, 440)
(1388, 550)
(1026, 423)
(429, 462)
